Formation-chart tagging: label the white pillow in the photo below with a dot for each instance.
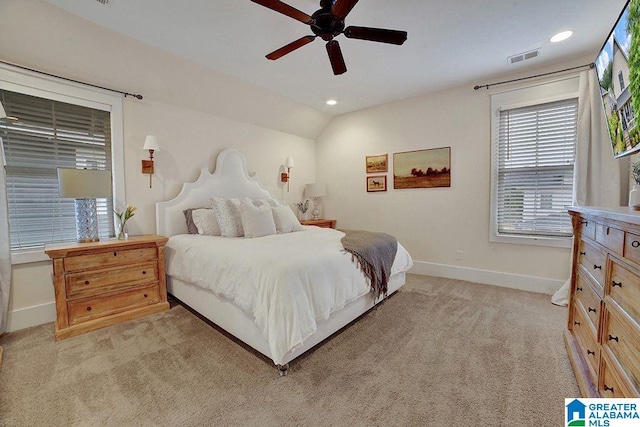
(285, 220)
(274, 203)
(227, 213)
(256, 221)
(205, 222)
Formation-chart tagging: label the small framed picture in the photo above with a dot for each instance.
(377, 163)
(376, 183)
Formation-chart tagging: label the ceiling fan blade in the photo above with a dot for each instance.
(285, 9)
(336, 58)
(376, 34)
(341, 8)
(290, 47)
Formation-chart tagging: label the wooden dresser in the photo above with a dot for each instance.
(603, 333)
(322, 223)
(107, 282)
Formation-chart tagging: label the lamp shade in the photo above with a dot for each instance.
(289, 162)
(315, 190)
(151, 143)
(84, 183)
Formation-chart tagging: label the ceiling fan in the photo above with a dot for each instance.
(327, 23)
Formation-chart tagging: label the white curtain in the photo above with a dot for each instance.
(5, 248)
(598, 179)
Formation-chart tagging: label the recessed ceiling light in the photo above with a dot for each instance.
(561, 36)
(332, 102)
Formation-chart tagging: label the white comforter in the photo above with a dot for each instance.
(287, 282)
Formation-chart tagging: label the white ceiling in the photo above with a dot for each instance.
(449, 42)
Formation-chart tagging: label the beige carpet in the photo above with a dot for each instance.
(438, 353)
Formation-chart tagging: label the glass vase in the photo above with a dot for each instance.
(123, 232)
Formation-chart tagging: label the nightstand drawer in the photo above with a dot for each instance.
(100, 281)
(108, 259)
(90, 308)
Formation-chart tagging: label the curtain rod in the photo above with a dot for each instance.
(591, 65)
(137, 96)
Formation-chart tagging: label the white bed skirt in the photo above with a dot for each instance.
(235, 321)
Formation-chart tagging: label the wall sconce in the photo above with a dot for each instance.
(315, 191)
(285, 176)
(151, 144)
(85, 185)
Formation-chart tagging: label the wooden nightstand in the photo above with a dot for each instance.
(323, 223)
(107, 282)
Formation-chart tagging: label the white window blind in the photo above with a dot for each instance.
(535, 158)
(50, 134)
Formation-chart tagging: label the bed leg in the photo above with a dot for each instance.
(283, 370)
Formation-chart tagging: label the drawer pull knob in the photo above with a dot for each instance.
(86, 282)
(583, 253)
(614, 283)
(144, 272)
(145, 295)
(115, 254)
(592, 309)
(608, 388)
(597, 267)
(576, 323)
(89, 308)
(579, 289)
(612, 338)
(635, 244)
(592, 353)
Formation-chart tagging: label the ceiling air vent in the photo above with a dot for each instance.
(104, 2)
(523, 56)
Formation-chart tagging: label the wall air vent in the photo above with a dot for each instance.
(523, 56)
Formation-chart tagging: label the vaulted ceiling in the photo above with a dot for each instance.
(449, 42)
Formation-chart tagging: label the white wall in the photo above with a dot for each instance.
(433, 224)
(194, 112)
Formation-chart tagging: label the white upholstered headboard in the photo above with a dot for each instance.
(229, 180)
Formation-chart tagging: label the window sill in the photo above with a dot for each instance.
(28, 257)
(554, 242)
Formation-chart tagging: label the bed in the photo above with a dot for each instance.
(281, 294)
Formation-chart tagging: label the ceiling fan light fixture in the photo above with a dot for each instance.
(332, 102)
(561, 36)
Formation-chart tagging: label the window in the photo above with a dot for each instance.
(534, 160)
(46, 135)
(82, 127)
(621, 78)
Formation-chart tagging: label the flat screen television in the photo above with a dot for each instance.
(618, 68)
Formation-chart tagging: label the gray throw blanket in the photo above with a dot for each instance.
(375, 253)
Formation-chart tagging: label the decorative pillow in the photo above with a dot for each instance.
(188, 214)
(227, 213)
(256, 221)
(285, 220)
(205, 222)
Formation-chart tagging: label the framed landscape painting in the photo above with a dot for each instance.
(376, 183)
(377, 163)
(422, 169)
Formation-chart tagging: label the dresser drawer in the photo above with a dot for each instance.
(610, 237)
(91, 308)
(625, 289)
(587, 340)
(90, 283)
(109, 258)
(609, 386)
(632, 247)
(588, 229)
(593, 260)
(621, 335)
(589, 299)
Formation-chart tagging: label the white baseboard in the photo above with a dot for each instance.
(31, 316)
(487, 277)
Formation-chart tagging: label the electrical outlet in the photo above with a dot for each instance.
(459, 255)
